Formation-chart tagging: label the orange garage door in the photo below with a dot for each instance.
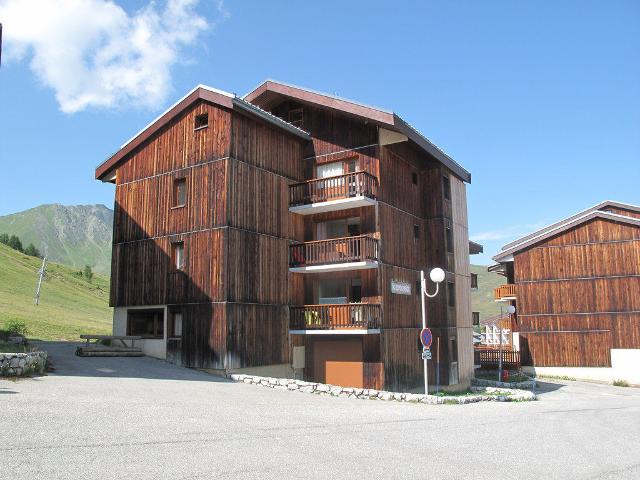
(339, 362)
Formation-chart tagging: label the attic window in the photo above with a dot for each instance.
(414, 178)
(296, 117)
(202, 121)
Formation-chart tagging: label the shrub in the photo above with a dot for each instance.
(15, 243)
(16, 327)
(87, 273)
(31, 250)
(620, 383)
(4, 238)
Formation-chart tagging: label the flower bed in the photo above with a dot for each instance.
(477, 394)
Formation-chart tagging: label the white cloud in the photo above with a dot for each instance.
(512, 232)
(93, 53)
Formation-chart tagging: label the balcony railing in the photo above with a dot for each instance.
(335, 317)
(505, 291)
(333, 188)
(335, 250)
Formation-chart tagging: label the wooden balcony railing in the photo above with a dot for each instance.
(330, 317)
(333, 188)
(491, 358)
(335, 250)
(505, 291)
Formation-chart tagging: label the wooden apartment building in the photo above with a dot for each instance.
(283, 233)
(576, 288)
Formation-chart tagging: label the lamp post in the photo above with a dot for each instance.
(510, 310)
(437, 276)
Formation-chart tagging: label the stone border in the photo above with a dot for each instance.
(22, 364)
(482, 382)
(483, 394)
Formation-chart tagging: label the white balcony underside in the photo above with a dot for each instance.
(505, 299)
(333, 205)
(336, 267)
(341, 331)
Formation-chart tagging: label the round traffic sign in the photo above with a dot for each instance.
(426, 337)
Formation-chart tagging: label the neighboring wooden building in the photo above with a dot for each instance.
(576, 288)
(284, 232)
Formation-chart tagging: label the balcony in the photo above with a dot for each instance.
(330, 194)
(336, 254)
(350, 318)
(505, 292)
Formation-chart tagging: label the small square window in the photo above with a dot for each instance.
(449, 235)
(145, 323)
(446, 187)
(177, 255)
(296, 117)
(202, 121)
(451, 293)
(179, 192)
(414, 178)
(416, 231)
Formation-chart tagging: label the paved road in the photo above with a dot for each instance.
(140, 418)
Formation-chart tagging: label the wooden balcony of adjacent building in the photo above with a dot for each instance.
(336, 254)
(349, 318)
(350, 190)
(505, 292)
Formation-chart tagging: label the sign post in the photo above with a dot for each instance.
(437, 275)
(424, 327)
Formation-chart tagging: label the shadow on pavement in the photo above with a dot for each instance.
(66, 363)
(547, 387)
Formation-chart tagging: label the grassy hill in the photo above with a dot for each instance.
(482, 298)
(69, 304)
(75, 235)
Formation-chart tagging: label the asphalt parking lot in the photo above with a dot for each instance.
(140, 418)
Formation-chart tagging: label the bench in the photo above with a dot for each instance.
(96, 349)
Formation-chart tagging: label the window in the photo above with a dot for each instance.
(414, 178)
(449, 234)
(202, 121)
(175, 328)
(446, 187)
(177, 255)
(474, 281)
(351, 166)
(296, 117)
(146, 323)
(179, 192)
(416, 231)
(451, 293)
(475, 317)
(453, 349)
(332, 169)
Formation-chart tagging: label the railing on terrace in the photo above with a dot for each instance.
(336, 250)
(503, 291)
(491, 358)
(333, 188)
(337, 316)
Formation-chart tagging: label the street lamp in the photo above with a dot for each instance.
(437, 276)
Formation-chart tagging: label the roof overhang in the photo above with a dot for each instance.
(475, 248)
(211, 95)
(270, 92)
(525, 242)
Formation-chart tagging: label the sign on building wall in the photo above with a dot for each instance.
(400, 287)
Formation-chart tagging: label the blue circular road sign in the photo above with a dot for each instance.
(426, 337)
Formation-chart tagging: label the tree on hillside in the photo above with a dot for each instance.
(32, 251)
(4, 238)
(15, 243)
(88, 274)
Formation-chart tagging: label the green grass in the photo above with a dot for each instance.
(557, 377)
(513, 377)
(69, 305)
(482, 299)
(620, 383)
(12, 348)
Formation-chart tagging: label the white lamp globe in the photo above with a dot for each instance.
(436, 275)
(511, 309)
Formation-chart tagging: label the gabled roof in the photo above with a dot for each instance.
(201, 92)
(596, 211)
(271, 92)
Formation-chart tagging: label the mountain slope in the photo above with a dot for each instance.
(75, 235)
(69, 304)
(482, 299)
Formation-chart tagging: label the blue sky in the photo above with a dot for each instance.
(540, 100)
